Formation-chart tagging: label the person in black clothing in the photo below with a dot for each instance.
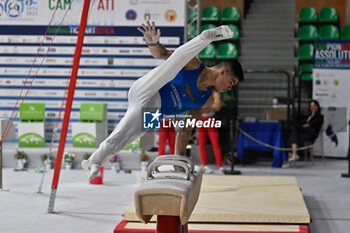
(306, 131)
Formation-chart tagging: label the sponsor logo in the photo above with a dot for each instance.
(151, 120)
(326, 82)
(31, 140)
(137, 51)
(90, 94)
(88, 83)
(40, 82)
(147, 16)
(17, 8)
(322, 94)
(131, 15)
(189, 122)
(84, 140)
(95, 51)
(336, 82)
(134, 2)
(51, 114)
(109, 72)
(124, 51)
(52, 60)
(170, 15)
(51, 93)
(150, 16)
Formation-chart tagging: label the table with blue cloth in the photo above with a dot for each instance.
(266, 132)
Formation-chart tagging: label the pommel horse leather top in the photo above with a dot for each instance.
(169, 193)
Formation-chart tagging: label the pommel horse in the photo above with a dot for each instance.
(171, 195)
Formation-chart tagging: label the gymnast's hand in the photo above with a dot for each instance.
(150, 33)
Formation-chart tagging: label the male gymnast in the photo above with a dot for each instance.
(180, 84)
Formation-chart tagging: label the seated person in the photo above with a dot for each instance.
(306, 131)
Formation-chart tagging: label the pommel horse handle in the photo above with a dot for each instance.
(151, 168)
(169, 196)
(177, 158)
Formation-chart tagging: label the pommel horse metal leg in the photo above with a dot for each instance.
(171, 195)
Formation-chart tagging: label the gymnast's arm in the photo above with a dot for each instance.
(152, 36)
(158, 50)
(184, 134)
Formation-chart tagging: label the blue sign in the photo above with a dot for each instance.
(332, 54)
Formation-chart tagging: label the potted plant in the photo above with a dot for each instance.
(47, 160)
(114, 161)
(21, 158)
(68, 160)
(144, 160)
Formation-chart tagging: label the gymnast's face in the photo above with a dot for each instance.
(225, 81)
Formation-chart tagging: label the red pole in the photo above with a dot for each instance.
(69, 101)
(168, 224)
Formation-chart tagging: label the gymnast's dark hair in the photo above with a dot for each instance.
(234, 67)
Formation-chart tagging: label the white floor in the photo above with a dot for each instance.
(89, 208)
(86, 208)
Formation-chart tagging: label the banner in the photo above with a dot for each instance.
(32, 112)
(331, 82)
(102, 12)
(114, 54)
(332, 54)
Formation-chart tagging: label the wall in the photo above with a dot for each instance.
(339, 5)
(347, 21)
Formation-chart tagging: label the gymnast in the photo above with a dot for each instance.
(180, 84)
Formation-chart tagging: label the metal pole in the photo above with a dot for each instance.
(233, 117)
(0, 165)
(347, 175)
(299, 95)
(293, 97)
(69, 101)
(288, 98)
